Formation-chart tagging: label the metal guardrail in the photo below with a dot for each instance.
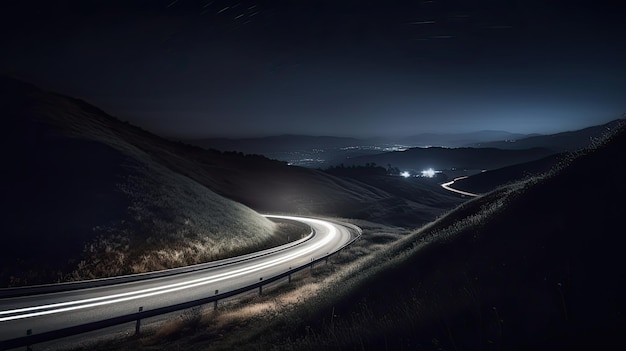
(136, 316)
(94, 283)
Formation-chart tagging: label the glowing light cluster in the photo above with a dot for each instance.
(405, 174)
(429, 173)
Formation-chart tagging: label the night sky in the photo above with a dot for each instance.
(190, 69)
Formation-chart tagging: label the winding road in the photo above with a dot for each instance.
(61, 306)
(448, 187)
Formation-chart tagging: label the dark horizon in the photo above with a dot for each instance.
(388, 138)
(193, 69)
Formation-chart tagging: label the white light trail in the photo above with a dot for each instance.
(447, 187)
(41, 310)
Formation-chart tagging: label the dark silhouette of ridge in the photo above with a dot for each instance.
(559, 142)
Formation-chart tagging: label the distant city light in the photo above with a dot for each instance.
(429, 173)
(405, 174)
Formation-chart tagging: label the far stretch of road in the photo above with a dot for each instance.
(66, 308)
(448, 187)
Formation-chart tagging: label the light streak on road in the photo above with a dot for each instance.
(447, 187)
(329, 234)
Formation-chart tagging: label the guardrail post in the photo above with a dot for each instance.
(312, 265)
(289, 276)
(138, 323)
(260, 288)
(29, 332)
(215, 302)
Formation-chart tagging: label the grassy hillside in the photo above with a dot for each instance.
(534, 265)
(81, 201)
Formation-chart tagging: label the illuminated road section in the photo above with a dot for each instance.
(68, 308)
(447, 187)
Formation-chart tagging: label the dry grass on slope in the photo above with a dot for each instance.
(160, 219)
(173, 221)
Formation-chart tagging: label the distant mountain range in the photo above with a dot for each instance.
(283, 143)
(491, 155)
(559, 142)
(280, 143)
(460, 139)
(563, 142)
(325, 151)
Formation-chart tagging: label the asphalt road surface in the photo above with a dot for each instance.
(56, 310)
(448, 187)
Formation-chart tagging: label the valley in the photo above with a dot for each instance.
(117, 201)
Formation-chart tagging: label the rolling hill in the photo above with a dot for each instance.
(80, 201)
(88, 195)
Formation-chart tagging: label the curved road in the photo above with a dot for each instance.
(56, 310)
(449, 188)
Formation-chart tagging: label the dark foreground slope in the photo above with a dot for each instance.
(536, 265)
